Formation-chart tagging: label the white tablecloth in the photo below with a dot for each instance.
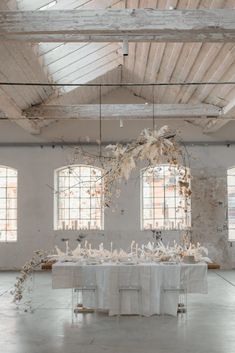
(152, 278)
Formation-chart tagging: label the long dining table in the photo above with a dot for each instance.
(155, 283)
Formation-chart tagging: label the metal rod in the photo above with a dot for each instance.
(100, 122)
(116, 84)
(76, 143)
(156, 117)
(153, 108)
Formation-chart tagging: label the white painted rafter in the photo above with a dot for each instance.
(227, 114)
(87, 64)
(32, 5)
(18, 61)
(128, 111)
(12, 112)
(103, 25)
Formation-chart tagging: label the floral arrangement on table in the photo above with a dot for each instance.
(87, 255)
(144, 253)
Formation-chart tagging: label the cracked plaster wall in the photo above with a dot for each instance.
(209, 216)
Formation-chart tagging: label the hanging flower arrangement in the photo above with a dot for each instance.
(152, 147)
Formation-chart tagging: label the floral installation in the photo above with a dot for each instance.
(86, 255)
(22, 280)
(151, 251)
(152, 147)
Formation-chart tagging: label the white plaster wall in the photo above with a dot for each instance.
(35, 205)
(36, 175)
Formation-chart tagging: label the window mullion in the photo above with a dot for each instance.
(6, 220)
(8, 204)
(164, 196)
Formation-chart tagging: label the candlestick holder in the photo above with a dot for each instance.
(81, 237)
(157, 235)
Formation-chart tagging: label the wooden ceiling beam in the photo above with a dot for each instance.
(127, 111)
(12, 112)
(227, 114)
(114, 25)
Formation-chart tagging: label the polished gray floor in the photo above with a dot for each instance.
(209, 327)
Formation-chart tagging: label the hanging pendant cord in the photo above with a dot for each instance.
(153, 107)
(100, 127)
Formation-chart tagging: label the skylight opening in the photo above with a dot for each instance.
(48, 6)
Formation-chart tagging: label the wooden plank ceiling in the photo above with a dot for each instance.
(183, 62)
(76, 62)
(19, 63)
(100, 62)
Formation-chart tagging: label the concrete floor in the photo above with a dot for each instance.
(209, 327)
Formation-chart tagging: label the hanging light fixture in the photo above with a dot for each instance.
(125, 47)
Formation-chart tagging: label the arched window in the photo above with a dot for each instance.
(79, 198)
(8, 204)
(231, 203)
(162, 206)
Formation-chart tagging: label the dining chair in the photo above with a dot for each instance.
(77, 296)
(182, 299)
(131, 288)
